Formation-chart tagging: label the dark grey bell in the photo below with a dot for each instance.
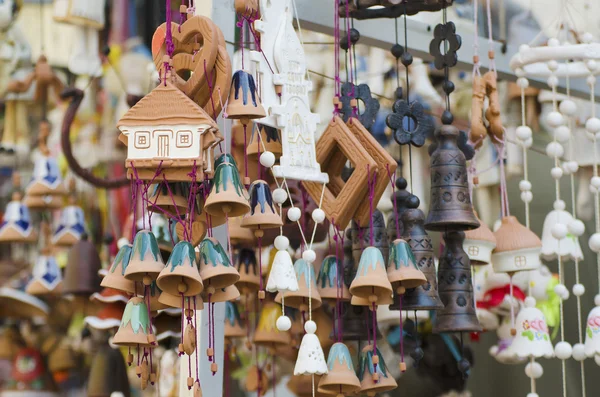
(361, 237)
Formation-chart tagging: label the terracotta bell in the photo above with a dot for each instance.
(340, 378)
(305, 274)
(47, 278)
(228, 197)
(455, 288)
(264, 138)
(16, 226)
(238, 235)
(174, 301)
(517, 247)
(450, 205)
(374, 378)
(247, 267)
(426, 296)
(71, 226)
(262, 213)
(327, 281)
(181, 275)
(266, 333)
(234, 327)
(171, 197)
(479, 244)
(227, 294)
(402, 268)
(244, 103)
(115, 278)
(135, 328)
(146, 261)
(216, 270)
(371, 280)
(81, 273)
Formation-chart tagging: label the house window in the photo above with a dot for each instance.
(184, 139)
(142, 140)
(473, 250)
(520, 261)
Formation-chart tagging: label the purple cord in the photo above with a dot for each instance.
(392, 179)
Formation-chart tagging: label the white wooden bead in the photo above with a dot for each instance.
(556, 172)
(310, 327)
(568, 107)
(525, 186)
(309, 256)
(534, 370)
(279, 195)
(578, 289)
(267, 159)
(563, 350)
(527, 197)
(523, 132)
(559, 205)
(282, 243)
(552, 81)
(594, 242)
(555, 119)
(318, 215)
(562, 134)
(294, 214)
(554, 149)
(592, 125)
(579, 352)
(522, 82)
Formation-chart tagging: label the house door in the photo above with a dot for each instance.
(163, 146)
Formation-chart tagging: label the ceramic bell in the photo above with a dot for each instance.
(568, 247)
(327, 281)
(282, 277)
(500, 351)
(532, 338)
(311, 360)
(479, 244)
(247, 267)
(81, 273)
(264, 138)
(266, 333)
(244, 103)
(340, 377)
(47, 278)
(16, 224)
(145, 263)
(227, 294)
(517, 247)
(305, 274)
(371, 280)
(399, 201)
(107, 318)
(361, 237)
(174, 301)
(228, 197)
(238, 235)
(374, 378)
(234, 327)
(115, 278)
(135, 328)
(216, 270)
(71, 226)
(450, 204)
(46, 179)
(262, 213)
(171, 197)
(592, 333)
(108, 373)
(402, 269)
(181, 275)
(455, 288)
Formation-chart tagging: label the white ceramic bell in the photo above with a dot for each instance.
(517, 248)
(500, 351)
(568, 247)
(71, 226)
(532, 338)
(282, 277)
(311, 360)
(592, 332)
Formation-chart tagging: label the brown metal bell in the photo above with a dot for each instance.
(450, 205)
(456, 288)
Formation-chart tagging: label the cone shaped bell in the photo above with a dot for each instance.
(146, 262)
(135, 325)
(305, 274)
(532, 338)
(451, 207)
(71, 226)
(227, 196)
(225, 158)
(266, 333)
(262, 213)
(171, 197)
(181, 275)
(81, 274)
(175, 301)
(371, 280)
(327, 281)
(402, 268)
(479, 244)
(311, 360)
(248, 269)
(227, 294)
(240, 236)
(16, 226)
(234, 327)
(340, 377)
(115, 278)
(47, 279)
(568, 248)
(153, 293)
(46, 179)
(264, 138)
(244, 103)
(517, 247)
(367, 372)
(108, 374)
(592, 333)
(358, 301)
(215, 268)
(282, 277)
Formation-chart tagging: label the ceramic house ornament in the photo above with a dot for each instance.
(181, 275)
(135, 328)
(167, 129)
(216, 270)
(402, 268)
(266, 333)
(115, 278)
(145, 263)
(532, 338)
(228, 197)
(340, 377)
(517, 247)
(592, 333)
(479, 244)
(71, 226)
(311, 360)
(568, 247)
(305, 274)
(16, 226)
(374, 377)
(47, 278)
(328, 282)
(371, 281)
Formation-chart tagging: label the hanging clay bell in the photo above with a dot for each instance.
(262, 213)
(402, 269)
(340, 377)
(171, 197)
(234, 327)
(215, 268)
(146, 262)
(266, 333)
(135, 328)
(264, 138)
(374, 378)
(479, 244)
(71, 226)
(248, 269)
(181, 276)
(305, 274)
(227, 294)
(115, 278)
(517, 247)
(532, 338)
(228, 197)
(371, 280)
(189, 340)
(175, 301)
(238, 235)
(244, 103)
(81, 273)
(16, 226)
(327, 281)
(361, 237)
(450, 205)
(455, 288)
